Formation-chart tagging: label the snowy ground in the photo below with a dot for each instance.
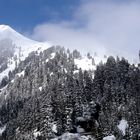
(2, 129)
(70, 136)
(122, 126)
(87, 64)
(23, 46)
(112, 137)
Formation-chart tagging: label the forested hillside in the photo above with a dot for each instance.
(47, 96)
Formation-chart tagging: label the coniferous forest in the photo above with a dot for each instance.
(47, 96)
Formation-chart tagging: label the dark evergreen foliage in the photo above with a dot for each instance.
(51, 93)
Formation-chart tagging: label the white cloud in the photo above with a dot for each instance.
(104, 26)
(67, 36)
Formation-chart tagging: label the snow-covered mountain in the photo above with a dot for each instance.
(49, 95)
(22, 47)
(20, 40)
(26, 45)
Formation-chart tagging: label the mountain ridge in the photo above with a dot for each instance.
(58, 93)
(22, 46)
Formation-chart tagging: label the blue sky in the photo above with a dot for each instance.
(109, 27)
(25, 14)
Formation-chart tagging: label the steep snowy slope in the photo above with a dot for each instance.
(86, 63)
(22, 47)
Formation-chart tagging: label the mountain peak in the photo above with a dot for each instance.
(5, 27)
(6, 32)
(21, 45)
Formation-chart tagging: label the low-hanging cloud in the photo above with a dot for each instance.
(107, 27)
